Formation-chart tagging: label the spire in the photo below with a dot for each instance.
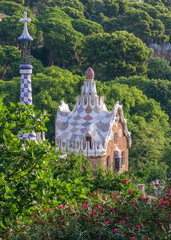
(89, 88)
(89, 73)
(25, 35)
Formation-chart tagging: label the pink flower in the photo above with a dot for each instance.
(163, 212)
(84, 206)
(133, 238)
(126, 181)
(104, 197)
(70, 209)
(107, 222)
(138, 227)
(95, 212)
(78, 216)
(115, 230)
(169, 192)
(148, 239)
(114, 197)
(73, 202)
(113, 210)
(91, 214)
(122, 222)
(132, 227)
(146, 203)
(60, 207)
(127, 218)
(79, 207)
(130, 191)
(164, 233)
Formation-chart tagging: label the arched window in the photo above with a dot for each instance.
(115, 138)
(117, 161)
(88, 139)
(108, 161)
(123, 158)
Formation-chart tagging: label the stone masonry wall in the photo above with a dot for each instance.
(121, 144)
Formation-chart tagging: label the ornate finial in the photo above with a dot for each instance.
(89, 73)
(25, 36)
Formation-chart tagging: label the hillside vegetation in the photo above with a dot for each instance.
(114, 38)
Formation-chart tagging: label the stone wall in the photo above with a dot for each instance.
(121, 144)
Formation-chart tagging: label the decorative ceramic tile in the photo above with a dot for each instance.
(87, 118)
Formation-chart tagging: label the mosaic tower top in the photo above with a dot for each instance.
(88, 128)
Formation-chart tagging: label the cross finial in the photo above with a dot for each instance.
(25, 36)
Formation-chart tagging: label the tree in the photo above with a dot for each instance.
(12, 8)
(149, 128)
(87, 27)
(59, 36)
(32, 173)
(9, 55)
(140, 23)
(75, 4)
(113, 55)
(159, 90)
(159, 68)
(21, 161)
(73, 13)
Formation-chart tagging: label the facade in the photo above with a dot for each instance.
(90, 128)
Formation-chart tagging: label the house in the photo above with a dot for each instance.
(90, 128)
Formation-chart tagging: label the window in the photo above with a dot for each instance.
(115, 138)
(88, 139)
(108, 161)
(117, 161)
(123, 158)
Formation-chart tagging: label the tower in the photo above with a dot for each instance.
(26, 70)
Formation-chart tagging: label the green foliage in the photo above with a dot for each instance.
(13, 8)
(156, 89)
(159, 68)
(114, 7)
(116, 54)
(73, 13)
(10, 61)
(87, 27)
(8, 55)
(100, 217)
(75, 4)
(11, 29)
(59, 36)
(140, 23)
(31, 172)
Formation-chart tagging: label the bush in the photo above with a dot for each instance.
(100, 217)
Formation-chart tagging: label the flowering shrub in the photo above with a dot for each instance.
(101, 217)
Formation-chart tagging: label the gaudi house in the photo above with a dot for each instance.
(90, 128)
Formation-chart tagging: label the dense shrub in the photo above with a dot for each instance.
(100, 217)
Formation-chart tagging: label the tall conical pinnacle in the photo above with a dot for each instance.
(25, 36)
